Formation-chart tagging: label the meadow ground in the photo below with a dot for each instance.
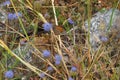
(47, 40)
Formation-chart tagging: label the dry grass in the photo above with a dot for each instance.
(71, 42)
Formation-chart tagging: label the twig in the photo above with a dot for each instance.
(56, 22)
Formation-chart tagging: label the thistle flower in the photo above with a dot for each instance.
(73, 69)
(47, 26)
(46, 53)
(70, 21)
(9, 74)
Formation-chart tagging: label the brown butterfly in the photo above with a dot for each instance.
(58, 30)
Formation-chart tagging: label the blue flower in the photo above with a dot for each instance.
(9, 74)
(47, 26)
(73, 69)
(58, 57)
(49, 68)
(46, 53)
(103, 38)
(57, 62)
(6, 3)
(15, 15)
(42, 75)
(70, 78)
(10, 16)
(70, 21)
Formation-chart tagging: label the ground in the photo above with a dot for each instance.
(41, 40)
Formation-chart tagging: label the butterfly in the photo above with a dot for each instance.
(58, 30)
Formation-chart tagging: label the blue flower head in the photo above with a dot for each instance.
(73, 69)
(10, 16)
(6, 3)
(15, 15)
(70, 21)
(42, 75)
(9, 74)
(47, 26)
(103, 38)
(57, 62)
(70, 78)
(58, 57)
(49, 68)
(46, 53)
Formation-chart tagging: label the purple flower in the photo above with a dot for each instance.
(70, 78)
(47, 26)
(103, 38)
(70, 21)
(6, 3)
(73, 69)
(15, 15)
(46, 53)
(10, 16)
(9, 74)
(42, 75)
(58, 57)
(49, 68)
(57, 62)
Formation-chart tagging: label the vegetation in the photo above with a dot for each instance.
(46, 40)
